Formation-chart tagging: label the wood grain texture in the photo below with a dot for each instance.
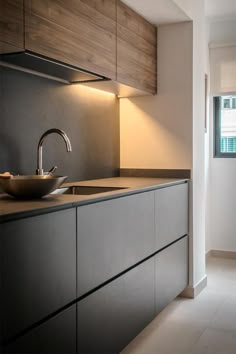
(11, 25)
(80, 33)
(136, 50)
(6, 48)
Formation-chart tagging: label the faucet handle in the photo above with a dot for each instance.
(50, 172)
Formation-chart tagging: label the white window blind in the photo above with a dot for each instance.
(223, 70)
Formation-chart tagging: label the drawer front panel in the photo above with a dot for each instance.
(38, 268)
(171, 214)
(112, 236)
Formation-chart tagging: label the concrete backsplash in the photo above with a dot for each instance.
(29, 105)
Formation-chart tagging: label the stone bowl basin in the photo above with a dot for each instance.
(30, 187)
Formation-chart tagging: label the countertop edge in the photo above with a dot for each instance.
(91, 200)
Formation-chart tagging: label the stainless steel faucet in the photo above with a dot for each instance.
(39, 170)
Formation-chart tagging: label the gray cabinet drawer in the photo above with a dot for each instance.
(56, 336)
(112, 236)
(38, 268)
(171, 214)
(171, 267)
(112, 316)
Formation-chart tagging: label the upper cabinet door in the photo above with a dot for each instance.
(77, 32)
(136, 50)
(11, 26)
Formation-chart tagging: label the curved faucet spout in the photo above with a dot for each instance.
(39, 170)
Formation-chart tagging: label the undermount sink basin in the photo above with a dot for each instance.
(86, 190)
(31, 187)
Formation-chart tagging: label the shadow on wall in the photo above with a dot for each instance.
(30, 105)
(9, 148)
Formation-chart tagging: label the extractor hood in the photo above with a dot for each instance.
(40, 65)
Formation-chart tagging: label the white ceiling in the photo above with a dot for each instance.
(220, 10)
(166, 11)
(158, 11)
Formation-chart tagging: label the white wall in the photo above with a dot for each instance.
(221, 196)
(167, 131)
(223, 32)
(156, 131)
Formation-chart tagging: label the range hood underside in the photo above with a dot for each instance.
(51, 68)
(38, 65)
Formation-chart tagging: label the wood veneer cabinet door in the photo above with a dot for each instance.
(77, 32)
(136, 50)
(11, 26)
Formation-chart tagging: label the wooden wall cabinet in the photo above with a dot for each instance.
(104, 37)
(136, 50)
(76, 32)
(11, 26)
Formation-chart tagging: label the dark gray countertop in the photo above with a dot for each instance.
(12, 209)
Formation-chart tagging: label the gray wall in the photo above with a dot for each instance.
(29, 105)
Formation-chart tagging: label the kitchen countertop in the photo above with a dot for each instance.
(12, 209)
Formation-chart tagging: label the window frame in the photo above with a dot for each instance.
(217, 104)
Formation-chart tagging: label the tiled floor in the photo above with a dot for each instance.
(205, 325)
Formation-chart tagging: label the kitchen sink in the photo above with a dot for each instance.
(30, 186)
(86, 190)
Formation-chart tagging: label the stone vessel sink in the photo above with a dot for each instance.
(30, 187)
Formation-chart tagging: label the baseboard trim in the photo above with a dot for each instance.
(194, 291)
(208, 255)
(223, 254)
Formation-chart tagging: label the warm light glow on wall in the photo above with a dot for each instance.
(86, 90)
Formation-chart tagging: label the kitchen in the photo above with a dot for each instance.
(110, 137)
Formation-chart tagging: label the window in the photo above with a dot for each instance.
(225, 126)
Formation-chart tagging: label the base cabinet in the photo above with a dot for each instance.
(110, 247)
(38, 268)
(112, 316)
(171, 214)
(171, 273)
(112, 236)
(56, 336)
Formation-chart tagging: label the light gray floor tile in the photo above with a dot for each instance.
(225, 317)
(204, 325)
(214, 341)
(171, 337)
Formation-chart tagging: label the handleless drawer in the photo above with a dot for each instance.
(171, 214)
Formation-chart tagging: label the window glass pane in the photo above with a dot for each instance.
(226, 103)
(234, 103)
(228, 125)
